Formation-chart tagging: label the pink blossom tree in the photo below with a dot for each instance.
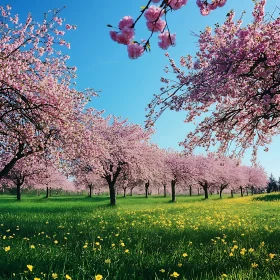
(255, 178)
(123, 142)
(38, 103)
(181, 169)
(51, 178)
(233, 82)
(24, 174)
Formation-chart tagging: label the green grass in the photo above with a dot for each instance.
(74, 236)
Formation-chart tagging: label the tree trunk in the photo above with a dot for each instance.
(173, 194)
(18, 192)
(47, 192)
(241, 191)
(231, 193)
(90, 190)
(164, 190)
(190, 191)
(112, 194)
(158, 191)
(146, 192)
(205, 188)
(146, 189)
(124, 192)
(198, 190)
(247, 192)
(221, 190)
(131, 192)
(252, 190)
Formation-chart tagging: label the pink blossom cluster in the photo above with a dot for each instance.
(126, 33)
(206, 8)
(155, 23)
(134, 50)
(166, 40)
(177, 4)
(153, 16)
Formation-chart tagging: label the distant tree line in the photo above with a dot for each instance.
(273, 185)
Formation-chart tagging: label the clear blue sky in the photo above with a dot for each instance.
(128, 85)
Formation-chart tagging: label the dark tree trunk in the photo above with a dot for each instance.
(252, 190)
(231, 193)
(111, 182)
(18, 192)
(158, 191)
(190, 191)
(112, 194)
(205, 188)
(222, 187)
(131, 192)
(241, 191)
(47, 192)
(247, 191)
(124, 192)
(173, 193)
(164, 190)
(206, 193)
(146, 189)
(90, 190)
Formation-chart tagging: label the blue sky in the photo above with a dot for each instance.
(128, 85)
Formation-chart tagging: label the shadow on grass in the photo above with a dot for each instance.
(268, 197)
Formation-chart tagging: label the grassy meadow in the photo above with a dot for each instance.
(81, 238)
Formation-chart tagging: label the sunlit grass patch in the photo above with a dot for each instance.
(150, 238)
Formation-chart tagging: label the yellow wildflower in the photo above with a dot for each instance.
(7, 249)
(185, 255)
(243, 251)
(98, 277)
(251, 250)
(54, 275)
(55, 242)
(126, 251)
(179, 264)
(36, 278)
(230, 254)
(162, 270)
(271, 256)
(175, 274)
(32, 246)
(254, 265)
(30, 267)
(68, 277)
(108, 261)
